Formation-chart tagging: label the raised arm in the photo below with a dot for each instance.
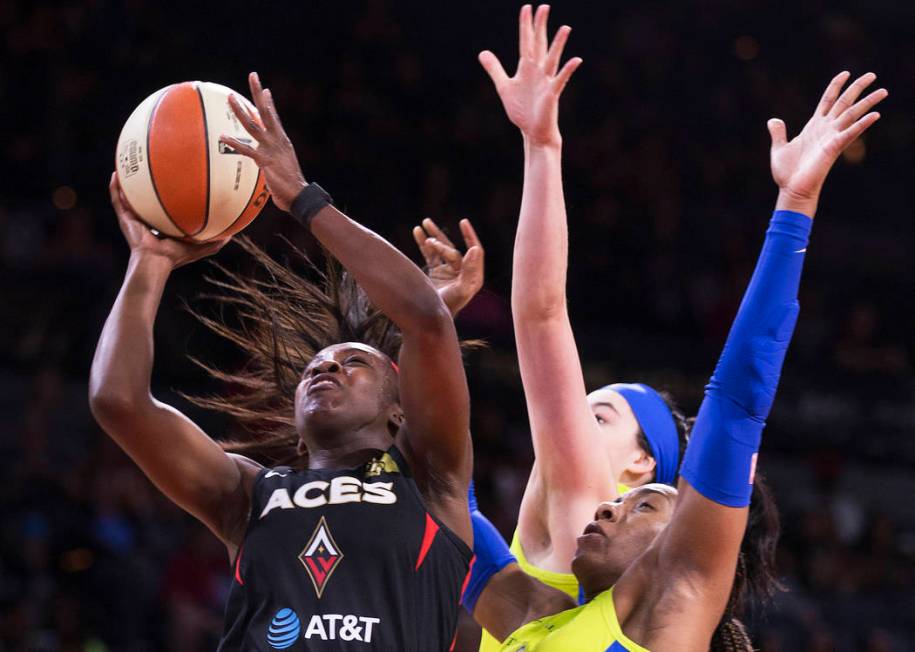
(568, 477)
(433, 388)
(697, 554)
(176, 455)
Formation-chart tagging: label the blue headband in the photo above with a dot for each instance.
(657, 423)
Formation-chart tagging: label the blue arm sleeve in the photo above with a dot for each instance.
(491, 554)
(720, 459)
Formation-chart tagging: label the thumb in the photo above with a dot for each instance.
(777, 132)
(493, 68)
(473, 263)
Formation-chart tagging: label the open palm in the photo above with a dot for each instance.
(456, 278)
(800, 166)
(531, 97)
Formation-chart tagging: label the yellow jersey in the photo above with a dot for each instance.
(565, 582)
(592, 627)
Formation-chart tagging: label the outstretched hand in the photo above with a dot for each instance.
(456, 278)
(800, 166)
(143, 241)
(274, 153)
(531, 97)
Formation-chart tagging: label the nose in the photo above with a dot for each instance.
(606, 511)
(326, 366)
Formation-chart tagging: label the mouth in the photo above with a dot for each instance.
(323, 382)
(593, 528)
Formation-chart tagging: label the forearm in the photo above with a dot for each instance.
(541, 247)
(122, 366)
(391, 281)
(721, 455)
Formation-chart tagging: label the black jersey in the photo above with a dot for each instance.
(344, 560)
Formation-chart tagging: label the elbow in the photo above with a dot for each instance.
(438, 322)
(110, 406)
(431, 316)
(533, 307)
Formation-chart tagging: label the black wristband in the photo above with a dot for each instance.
(308, 202)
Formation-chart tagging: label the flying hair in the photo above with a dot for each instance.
(279, 320)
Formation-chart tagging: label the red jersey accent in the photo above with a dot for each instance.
(238, 566)
(428, 537)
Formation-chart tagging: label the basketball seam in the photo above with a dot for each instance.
(206, 140)
(152, 177)
(257, 183)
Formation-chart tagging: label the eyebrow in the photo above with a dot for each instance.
(606, 404)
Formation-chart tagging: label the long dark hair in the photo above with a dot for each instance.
(755, 582)
(279, 318)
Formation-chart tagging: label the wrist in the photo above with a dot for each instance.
(798, 203)
(150, 263)
(553, 144)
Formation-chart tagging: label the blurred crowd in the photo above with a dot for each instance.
(668, 193)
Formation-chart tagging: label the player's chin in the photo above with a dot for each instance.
(586, 560)
(590, 547)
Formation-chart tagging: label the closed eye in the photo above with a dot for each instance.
(356, 359)
(645, 505)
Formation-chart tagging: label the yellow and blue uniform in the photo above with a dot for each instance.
(565, 582)
(720, 459)
(592, 627)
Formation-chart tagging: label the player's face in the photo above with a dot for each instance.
(621, 531)
(346, 384)
(616, 421)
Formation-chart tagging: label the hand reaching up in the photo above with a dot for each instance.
(456, 278)
(531, 97)
(274, 153)
(800, 166)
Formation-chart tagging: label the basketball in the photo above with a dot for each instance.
(176, 174)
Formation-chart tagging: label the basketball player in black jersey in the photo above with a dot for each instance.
(362, 540)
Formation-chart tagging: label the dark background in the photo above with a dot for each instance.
(668, 192)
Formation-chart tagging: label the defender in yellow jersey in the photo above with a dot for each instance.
(660, 568)
(592, 626)
(585, 443)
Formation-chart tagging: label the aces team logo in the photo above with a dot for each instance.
(321, 556)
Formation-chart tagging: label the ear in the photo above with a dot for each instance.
(301, 448)
(642, 464)
(395, 418)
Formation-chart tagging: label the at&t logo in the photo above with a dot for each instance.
(284, 629)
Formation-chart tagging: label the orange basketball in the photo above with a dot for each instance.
(176, 174)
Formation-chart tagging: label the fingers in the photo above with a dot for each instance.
(832, 92)
(493, 68)
(118, 199)
(271, 110)
(540, 39)
(847, 137)
(114, 189)
(257, 96)
(450, 255)
(560, 81)
(242, 148)
(428, 251)
(433, 230)
(777, 131)
(851, 94)
(471, 239)
(472, 267)
(554, 56)
(860, 108)
(244, 115)
(525, 33)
